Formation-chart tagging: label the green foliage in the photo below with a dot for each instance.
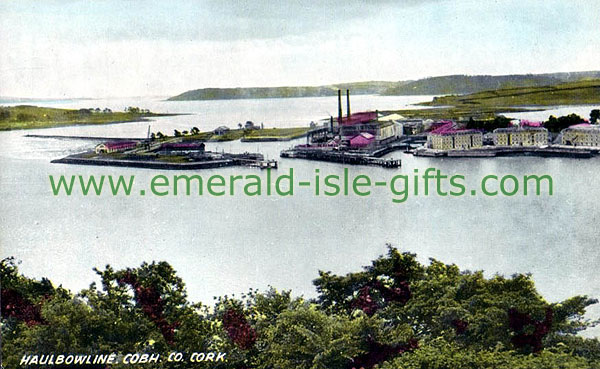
(395, 312)
(489, 125)
(555, 125)
(594, 116)
(441, 354)
(28, 117)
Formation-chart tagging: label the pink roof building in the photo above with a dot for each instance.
(115, 146)
(362, 140)
(358, 118)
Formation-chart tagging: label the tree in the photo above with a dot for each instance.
(195, 130)
(176, 133)
(133, 110)
(4, 114)
(441, 301)
(396, 312)
(594, 115)
(556, 125)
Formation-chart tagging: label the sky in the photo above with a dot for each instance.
(118, 48)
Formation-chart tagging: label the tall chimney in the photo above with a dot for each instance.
(331, 124)
(340, 107)
(348, 102)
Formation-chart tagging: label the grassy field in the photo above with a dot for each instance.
(250, 134)
(30, 117)
(574, 93)
(486, 104)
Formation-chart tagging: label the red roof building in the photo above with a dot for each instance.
(115, 146)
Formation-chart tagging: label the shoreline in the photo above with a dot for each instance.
(62, 125)
(226, 160)
(498, 151)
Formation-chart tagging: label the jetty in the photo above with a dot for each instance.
(87, 138)
(495, 151)
(343, 157)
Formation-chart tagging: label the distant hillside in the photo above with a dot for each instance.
(444, 85)
(462, 84)
(570, 93)
(357, 88)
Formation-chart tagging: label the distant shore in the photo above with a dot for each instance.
(23, 117)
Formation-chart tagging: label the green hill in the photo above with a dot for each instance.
(359, 88)
(463, 84)
(442, 85)
(571, 93)
(487, 104)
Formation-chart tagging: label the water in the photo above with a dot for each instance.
(221, 245)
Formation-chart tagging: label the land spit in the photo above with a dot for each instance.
(207, 161)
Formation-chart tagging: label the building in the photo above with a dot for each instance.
(464, 139)
(220, 131)
(396, 119)
(115, 146)
(182, 148)
(521, 136)
(367, 122)
(581, 135)
(412, 126)
(362, 140)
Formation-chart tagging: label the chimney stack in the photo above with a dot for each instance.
(340, 107)
(348, 102)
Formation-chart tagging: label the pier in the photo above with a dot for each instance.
(343, 157)
(495, 151)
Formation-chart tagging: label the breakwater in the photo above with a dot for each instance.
(494, 151)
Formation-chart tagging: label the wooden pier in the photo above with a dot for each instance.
(343, 157)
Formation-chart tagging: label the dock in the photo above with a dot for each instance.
(496, 151)
(343, 157)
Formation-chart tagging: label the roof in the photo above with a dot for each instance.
(182, 145)
(528, 123)
(362, 139)
(357, 118)
(456, 132)
(446, 126)
(585, 126)
(520, 129)
(392, 117)
(119, 144)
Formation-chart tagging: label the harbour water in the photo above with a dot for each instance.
(224, 245)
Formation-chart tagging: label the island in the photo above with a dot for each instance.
(31, 117)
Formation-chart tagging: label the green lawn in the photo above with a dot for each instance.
(236, 134)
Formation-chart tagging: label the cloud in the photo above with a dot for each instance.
(204, 20)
